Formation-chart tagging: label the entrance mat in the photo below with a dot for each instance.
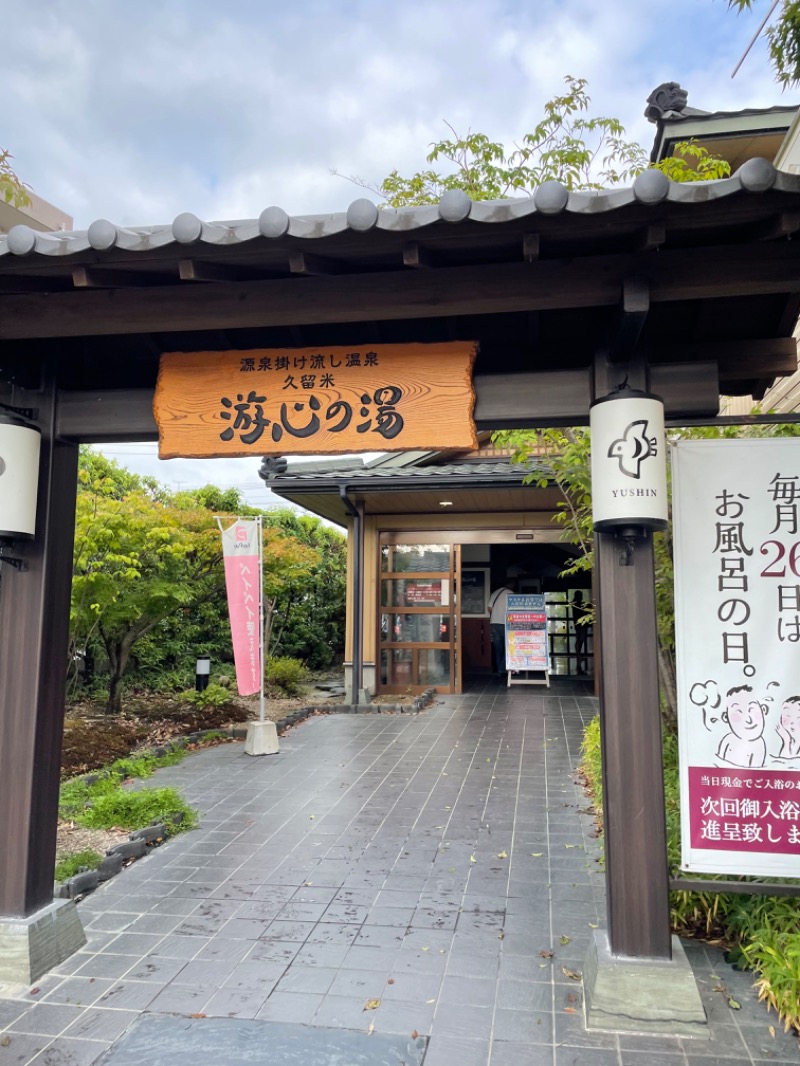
(167, 1040)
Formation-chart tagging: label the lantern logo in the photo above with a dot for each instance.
(632, 448)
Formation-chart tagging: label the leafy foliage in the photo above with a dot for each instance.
(567, 145)
(211, 696)
(104, 803)
(784, 40)
(73, 864)
(137, 560)
(565, 453)
(12, 190)
(693, 162)
(148, 591)
(119, 808)
(286, 673)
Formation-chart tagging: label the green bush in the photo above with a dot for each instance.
(286, 673)
(764, 931)
(73, 864)
(106, 804)
(213, 695)
(119, 808)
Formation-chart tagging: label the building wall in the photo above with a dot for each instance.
(38, 214)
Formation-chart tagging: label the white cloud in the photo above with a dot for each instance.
(136, 112)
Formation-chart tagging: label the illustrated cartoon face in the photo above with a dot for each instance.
(790, 718)
(745, 715)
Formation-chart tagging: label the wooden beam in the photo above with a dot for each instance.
(89, 277)
(651, 237)
(193, 270)
(308, 265)
(416, 257)
(517, 401)
(686, 388)
(767, 357)
(503, 401)
(764, 357)
(593, 281)
(201, 270)
(631, 318)
(107, 416)
(33, 283)
(531, 245)
(774, 229)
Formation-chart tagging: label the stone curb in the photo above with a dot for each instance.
(239, 731)
(141, 840)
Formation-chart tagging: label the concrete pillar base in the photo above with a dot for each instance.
(31, 946)
(262, 739)
(629, 995)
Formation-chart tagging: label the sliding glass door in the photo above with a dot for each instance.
(417, 615)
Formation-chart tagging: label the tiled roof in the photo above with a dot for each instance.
(477, 472)
(551, 198)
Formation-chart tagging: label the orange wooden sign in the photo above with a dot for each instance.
(323, 401)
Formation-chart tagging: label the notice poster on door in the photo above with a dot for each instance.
(737, 636)
(526, 633)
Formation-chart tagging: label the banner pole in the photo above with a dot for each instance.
(262, 619)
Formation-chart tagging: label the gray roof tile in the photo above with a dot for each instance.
(756, 175)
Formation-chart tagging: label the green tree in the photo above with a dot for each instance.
(304, 587)
(568, 145)
(784, 40)
(137, 560)
(12, 190)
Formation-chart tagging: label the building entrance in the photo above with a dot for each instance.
(433, 611)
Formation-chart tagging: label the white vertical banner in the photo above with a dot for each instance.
(736, 510)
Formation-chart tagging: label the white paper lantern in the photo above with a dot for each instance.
(629, 462)
(20, 444)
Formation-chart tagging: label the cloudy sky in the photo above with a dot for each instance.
(137, 111)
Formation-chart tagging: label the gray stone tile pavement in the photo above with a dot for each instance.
(442, 865)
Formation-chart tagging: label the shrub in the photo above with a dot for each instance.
(286, 673)
(214, 695)
(764, 930)
(73, 864)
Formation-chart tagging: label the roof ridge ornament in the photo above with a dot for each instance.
(667, 99)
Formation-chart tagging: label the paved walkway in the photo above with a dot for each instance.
(441, 865)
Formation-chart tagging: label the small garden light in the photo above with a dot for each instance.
(202, 672)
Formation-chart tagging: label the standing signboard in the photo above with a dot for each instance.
(737, 632)
(526, 639)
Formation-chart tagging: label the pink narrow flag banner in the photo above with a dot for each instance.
(240, 549)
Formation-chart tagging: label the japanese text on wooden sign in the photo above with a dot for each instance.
(387, 397)
(737, 635)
